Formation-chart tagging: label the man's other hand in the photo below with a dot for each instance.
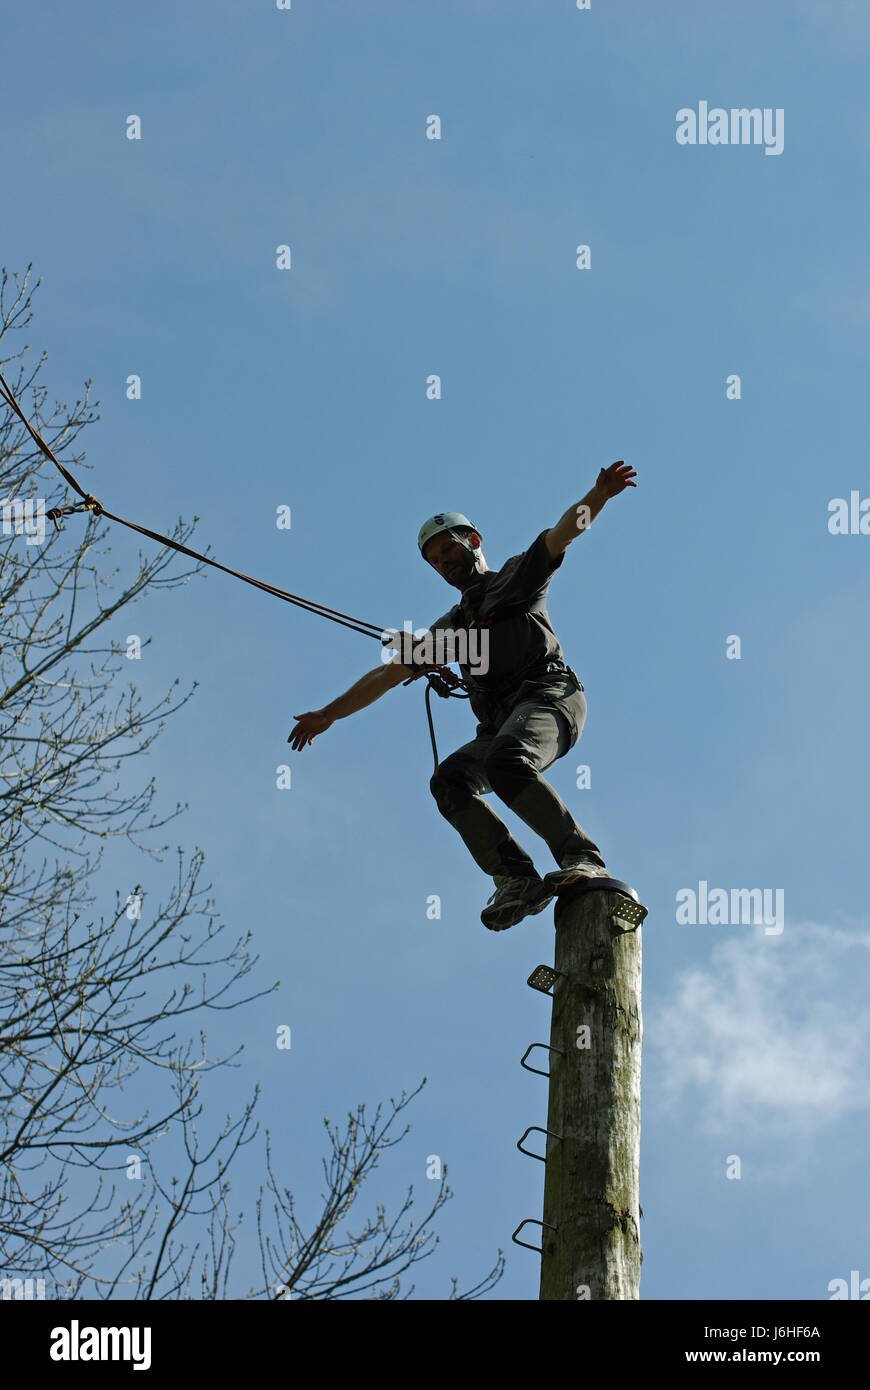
(615, 479)
(308, 727)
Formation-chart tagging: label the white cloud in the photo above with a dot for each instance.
(769, 1038)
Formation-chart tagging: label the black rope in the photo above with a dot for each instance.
(441, 687)
(90, 503)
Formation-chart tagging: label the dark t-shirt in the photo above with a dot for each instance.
(510, 605)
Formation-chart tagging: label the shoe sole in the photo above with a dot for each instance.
(518, 911)
(562, 878)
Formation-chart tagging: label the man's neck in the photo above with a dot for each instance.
(473, 579)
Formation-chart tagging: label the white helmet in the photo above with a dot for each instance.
(444, 521)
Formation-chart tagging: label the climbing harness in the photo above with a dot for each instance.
(440, 678)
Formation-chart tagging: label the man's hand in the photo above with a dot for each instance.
(308, 727)
(611, 481)
(616, 478)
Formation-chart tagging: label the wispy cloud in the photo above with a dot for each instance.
(770, 1037)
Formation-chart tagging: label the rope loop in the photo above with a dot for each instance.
(55, 513)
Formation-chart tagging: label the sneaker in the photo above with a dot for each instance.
(574, 868)
(515, 898)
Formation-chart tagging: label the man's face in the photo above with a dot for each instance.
(450, 557)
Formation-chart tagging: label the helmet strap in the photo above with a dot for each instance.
(474, 553)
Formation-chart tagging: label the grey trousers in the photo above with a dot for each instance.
(513, 746)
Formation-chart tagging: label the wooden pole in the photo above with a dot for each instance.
(591, 1188)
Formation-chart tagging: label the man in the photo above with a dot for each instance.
(530, 704)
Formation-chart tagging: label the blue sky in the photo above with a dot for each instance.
(307, 388)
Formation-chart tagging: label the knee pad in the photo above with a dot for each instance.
(507, 767)
(451, 795)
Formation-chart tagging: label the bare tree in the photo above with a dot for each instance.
(304, 1267)
(91, 1004)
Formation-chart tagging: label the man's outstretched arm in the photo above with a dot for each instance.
(367, 689)
(579, 518)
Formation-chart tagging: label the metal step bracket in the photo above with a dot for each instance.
(629, 916)
(528, 1152)
(537, 1070)
(543, 976)
(530, 1221)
